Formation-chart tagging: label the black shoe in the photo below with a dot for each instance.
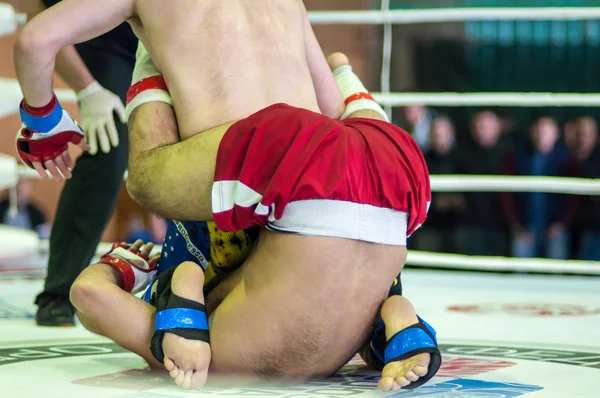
(56, 311)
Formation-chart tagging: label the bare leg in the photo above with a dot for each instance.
(165, 173)
(187, 360)
(105, 309)
(398, 314)
(291, 316)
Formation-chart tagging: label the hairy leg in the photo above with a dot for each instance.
(291, 316)
(105, 309)
(165, 173)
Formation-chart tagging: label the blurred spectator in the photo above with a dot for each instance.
(587, 154)
(28, 215)
(437, 234)
(417, 121)
(585, 138)
(537, 219)
(484, 231)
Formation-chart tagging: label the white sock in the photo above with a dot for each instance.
(356, 96)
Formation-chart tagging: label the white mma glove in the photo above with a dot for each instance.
(97, 106)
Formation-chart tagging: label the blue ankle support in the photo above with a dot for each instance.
(413, 340)
(180, 316)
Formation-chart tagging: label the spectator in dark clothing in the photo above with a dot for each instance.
(437, 234)
(28, 215)
(587, 218)
(537, 219)
(484, 231)
(416, 119)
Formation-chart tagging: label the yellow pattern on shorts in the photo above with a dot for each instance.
(228, 251)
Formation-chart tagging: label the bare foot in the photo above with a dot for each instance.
(187, 360)
(398, 314)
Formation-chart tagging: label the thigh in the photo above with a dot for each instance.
(301, 318)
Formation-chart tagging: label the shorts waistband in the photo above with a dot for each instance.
(335, 218)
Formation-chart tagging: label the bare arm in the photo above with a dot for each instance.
(329, 98)
(170, 178)
(68, 22)
(69, 64)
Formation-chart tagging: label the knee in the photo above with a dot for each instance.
(89, 288)
(83, 294)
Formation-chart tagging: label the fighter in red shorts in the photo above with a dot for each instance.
(258, 294)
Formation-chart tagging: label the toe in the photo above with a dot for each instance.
(411, 376)
(174, 372)
(199, 379)
(180, 377)
(169, 365)
(385, 384)
(402, 382)
(187, 380)
(420, 371)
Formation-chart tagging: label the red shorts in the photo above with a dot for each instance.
(297, 171)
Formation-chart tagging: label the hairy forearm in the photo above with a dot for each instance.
(34, 66)
(72, 70)
(154, 144)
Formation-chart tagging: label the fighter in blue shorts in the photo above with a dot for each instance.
(220, 254)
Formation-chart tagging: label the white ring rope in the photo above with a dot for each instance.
(529, 100)
(436, 15)
(423, 259)
(505, 183)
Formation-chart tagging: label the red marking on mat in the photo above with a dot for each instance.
(527, 309)
(149, 83)
(134, 380)
(359, 96)
(463, 367)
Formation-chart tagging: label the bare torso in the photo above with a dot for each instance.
(223, 61)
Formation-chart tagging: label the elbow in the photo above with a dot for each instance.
(141, 187)
(137, 188)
